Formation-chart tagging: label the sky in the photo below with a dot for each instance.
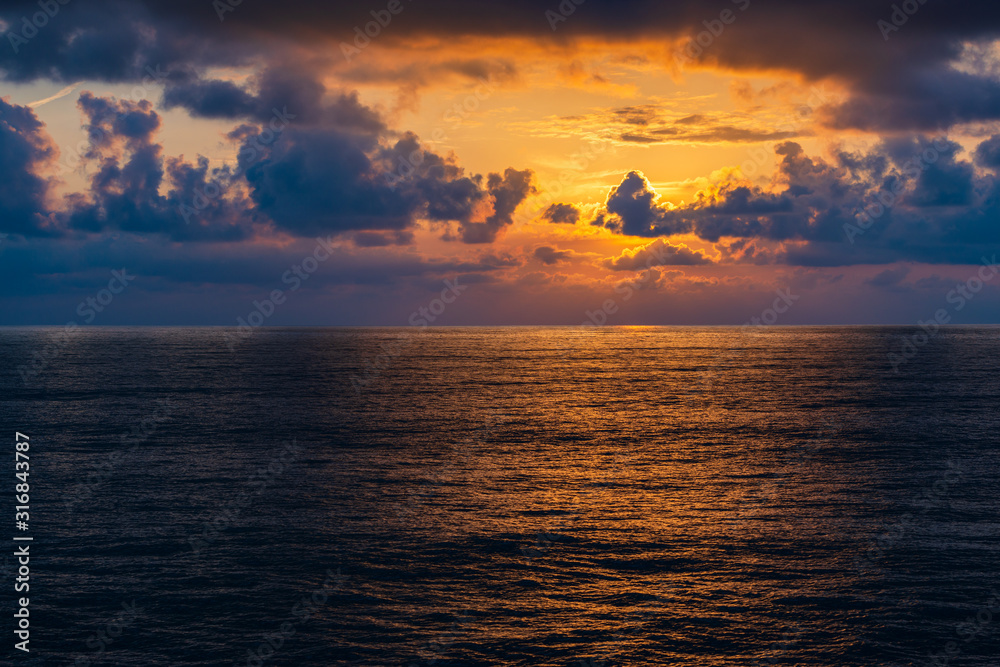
(413, 162)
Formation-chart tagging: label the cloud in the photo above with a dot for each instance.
(507, 191)
(909, 199)
(934, 100)
(565, 214)
(125, 190)
(310, 162)
(668, 122)
(381, 239)
(657, 253)
(988, 152)
(314, 180)
(313, 159)
(25, 152)
(929, 75)
(633, 208)
(551, 256)
(747, 251)
(338, 167)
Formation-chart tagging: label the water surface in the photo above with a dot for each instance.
(510, 496)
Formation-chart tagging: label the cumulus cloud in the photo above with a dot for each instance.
(910, 198)
(337, 166)
(657, 253)
(125, 190)
(25, 151)
(310, 161)
(565, 214)
(507, 192)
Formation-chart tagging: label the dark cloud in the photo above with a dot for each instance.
(550, 256)
(988, 152)
(216, 283)
(899, 80)
(507, 191)
(641, 115)
(333, 165)
(314, 180)
(633, 209)
(211, 99)
(638, 138)
(130, 170)
(477, 73)
(910, 199)
(382, 239)
(326, 164)
(747, 251)
(25, 150)
(564, 214)
(690, 120)
(108, 119)
(933, 100)
(322, 179)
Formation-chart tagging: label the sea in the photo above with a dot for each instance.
(553, 496)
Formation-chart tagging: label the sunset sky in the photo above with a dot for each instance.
(542, 155)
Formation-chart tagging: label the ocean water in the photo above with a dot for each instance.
(507, 496)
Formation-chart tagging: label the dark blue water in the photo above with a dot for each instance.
(518, 496)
